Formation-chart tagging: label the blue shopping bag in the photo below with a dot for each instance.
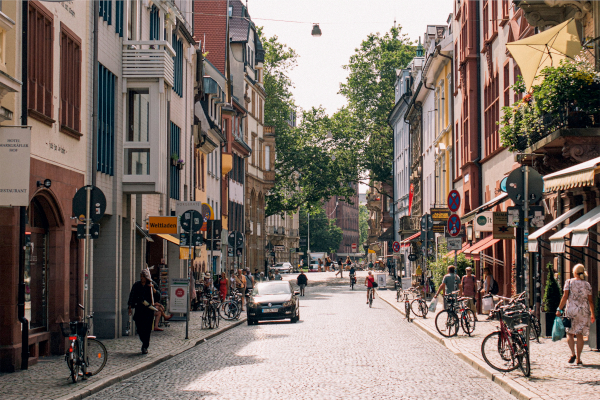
(558, 330)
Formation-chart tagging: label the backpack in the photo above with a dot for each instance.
(495, 288)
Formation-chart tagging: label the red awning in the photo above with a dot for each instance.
(473, 251)
(408, 239)
(464, 247)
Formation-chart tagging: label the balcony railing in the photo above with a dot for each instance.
(293, 233)
(147, 59)
(276, 230)
(408, 224)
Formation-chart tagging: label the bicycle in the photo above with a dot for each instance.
(507, 349)
(535, 328)
(231, 308)
(352, 281)
(447, 321)
(419, 305)
(405, 296)
(371, 294)
(210, 317)
(96, 355)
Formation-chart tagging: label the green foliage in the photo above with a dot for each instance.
(552, 292)
(363, 226)
(328, 155)
(568, 89)
(325, 235)
(439, 267)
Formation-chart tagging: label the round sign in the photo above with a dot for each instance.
(179, 292)
(454, 225)
(396, 247)
(208, 214)
(412, 257)
(515, 186)
(503, 184)
(97, 204)
(235, 240)
(454, 200)
(191, 220)
(482, 220)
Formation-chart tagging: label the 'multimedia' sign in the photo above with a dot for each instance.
(15, 151)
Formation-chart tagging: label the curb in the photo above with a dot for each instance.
(116, 378)
(507, 383)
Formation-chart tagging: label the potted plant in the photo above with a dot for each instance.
(552, 296)
(180, 164)
(174, 159)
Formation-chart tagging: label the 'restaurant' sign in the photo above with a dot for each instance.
(15, 150)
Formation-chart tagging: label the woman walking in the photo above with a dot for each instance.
(223, 286)
(577, 298)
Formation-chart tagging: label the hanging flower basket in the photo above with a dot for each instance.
(180, 164)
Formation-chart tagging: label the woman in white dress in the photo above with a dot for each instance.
(579, 308)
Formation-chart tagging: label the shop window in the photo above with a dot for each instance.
(36, 268)
(119, 17)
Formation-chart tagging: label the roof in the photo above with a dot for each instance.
(239, 23)
(210, 24)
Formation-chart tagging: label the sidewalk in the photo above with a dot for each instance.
(49, 378)
(551, 376)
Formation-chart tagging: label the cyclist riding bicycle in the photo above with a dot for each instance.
(369, 282)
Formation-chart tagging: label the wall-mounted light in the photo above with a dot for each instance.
(47, 183)
(316, 31)
(470, 233)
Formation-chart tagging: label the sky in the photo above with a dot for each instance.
(344, 24)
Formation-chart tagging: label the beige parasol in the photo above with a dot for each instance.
(545, 49)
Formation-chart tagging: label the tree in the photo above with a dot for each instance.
(439, 267)
(328, 156)
(363, 225)
(325, 235)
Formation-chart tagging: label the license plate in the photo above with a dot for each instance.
(268, 310)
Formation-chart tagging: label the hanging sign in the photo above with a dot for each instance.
(162, 225)
(440, 214)
(501, 228)
(15, 151)
(484, 222)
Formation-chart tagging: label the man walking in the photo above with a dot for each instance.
(249, 282)
(450, 283)
(142, 297)
(302, 282)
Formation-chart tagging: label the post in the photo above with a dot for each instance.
(308, 239)
(525, 253)
(86, 288)
(187, 302)
(212, 243)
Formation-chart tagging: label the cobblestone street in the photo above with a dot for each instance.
(340, 349)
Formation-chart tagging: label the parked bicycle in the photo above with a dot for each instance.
(457, 312)
(535, 328)
(79, 364)
(419, 305)
(507, 349)
(405, 296)
(210, 317)
(231, 308)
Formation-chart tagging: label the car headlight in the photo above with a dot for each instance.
(288, 303)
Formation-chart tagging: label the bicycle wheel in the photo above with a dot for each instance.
(497, 352)
(398, 296)
(371, 299)
(415, 306)
(446, 323)
(522, 356)
(205, 320)
(407, 309)
(535, 328)
(96, 356)
(467, 321)
(75, 362)
(216, 316)
(228, 310)
(423, 307)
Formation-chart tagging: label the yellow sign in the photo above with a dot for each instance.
(184, 253)
(440, 214)
(162, 225)
(501, 230)
(372, 251)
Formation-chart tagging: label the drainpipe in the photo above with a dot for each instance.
(23, 210)
(93, 168)
(478, 159)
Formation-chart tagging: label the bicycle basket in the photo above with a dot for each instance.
(73, 328)
(515, 318)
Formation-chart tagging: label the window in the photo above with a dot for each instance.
(505, 8)
(106, 10)
(70, 82)
(178, 66)
(154, 23)
(491, 114)
(267, 158)
(202, 171)
(516, 75)
(132, 20)
(506, 85)
(494, 16)
(137, 160)
(39, 75)
(119, 17)
(174, 170)
(106, 120)
(486, 19)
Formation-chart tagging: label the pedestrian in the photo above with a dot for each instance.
(271, 276)
(302, 281)
(249, 282)
(486, 287)
(327, 264)
(142, 297)
(371, 265)
(450, 284)
(240, 284)
(301, 263)
(341, 268)
(223, 286)
(579, 305)
(277, 276)
(468, 288)
(320, 264)
(231, 284)
(257, 275)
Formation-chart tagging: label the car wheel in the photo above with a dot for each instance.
(251, 322)
(296, 318)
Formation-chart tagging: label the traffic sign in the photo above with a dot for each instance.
(197, 239)
(426, 222)
(515, 186)
(162, 225)
(396, 247)
(454, 225)
(235, 240)
(97, 204)
(191, 220)
(454, 200)
(94, 231)
(354, 247)
(454, 243)
(412, 257)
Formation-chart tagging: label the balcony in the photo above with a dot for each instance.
(276, 231)
(293, 233)
(148, 59)
(409, 224)
(546, 13)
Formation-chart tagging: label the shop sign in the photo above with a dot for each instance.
(164, 225)
(15, 151)
(440, 214)
(179, 295)
(484, 222)
(501, 228)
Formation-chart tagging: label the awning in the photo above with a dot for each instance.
(580, 232)
(470, 216)
(475, 249)
(143, 233)
(410, 238)
(576, 176)
(533, 243)
(464, 247)
(169, 238)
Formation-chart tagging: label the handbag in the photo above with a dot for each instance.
(433, 305)
(488, 303)
(566, 320)
(374, 284)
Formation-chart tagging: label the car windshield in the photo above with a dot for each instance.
(271, 288)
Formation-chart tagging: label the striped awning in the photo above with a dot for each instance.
(470, 216)
(532, 243)
(579, 175)
(408, 239)
(169, 238)
(580, 229)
